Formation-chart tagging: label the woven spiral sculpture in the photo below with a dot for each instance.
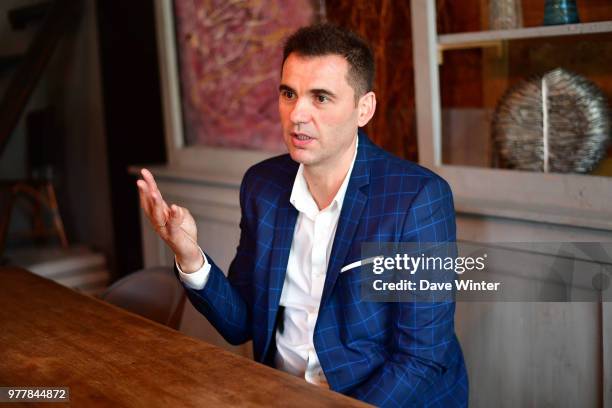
(556, 122)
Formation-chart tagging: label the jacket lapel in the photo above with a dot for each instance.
(284, 226)
(350, 215)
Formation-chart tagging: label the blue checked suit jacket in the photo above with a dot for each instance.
(387, 354)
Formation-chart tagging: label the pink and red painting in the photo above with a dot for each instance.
(230, 54)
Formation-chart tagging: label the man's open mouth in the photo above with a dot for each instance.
(300, 136)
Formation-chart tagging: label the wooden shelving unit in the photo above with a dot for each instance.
(496, 38)
(571, 199)
(524, 33)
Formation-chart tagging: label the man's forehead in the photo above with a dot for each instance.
(326, 69)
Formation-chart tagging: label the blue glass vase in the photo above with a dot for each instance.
(560, 12)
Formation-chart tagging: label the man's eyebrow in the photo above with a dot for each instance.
(316, 91)
(324, 92)
(284, 87)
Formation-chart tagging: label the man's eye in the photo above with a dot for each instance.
(288, 94)
(322, 98)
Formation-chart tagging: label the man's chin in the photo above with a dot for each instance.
(301, 156)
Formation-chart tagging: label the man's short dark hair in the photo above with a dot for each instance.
(323, 39)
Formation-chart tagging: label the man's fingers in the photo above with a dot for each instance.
(147, 199)
(142, 193)
(166, 220)
(153, 191)
(149, 179)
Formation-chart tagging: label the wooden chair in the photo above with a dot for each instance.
(39, 195)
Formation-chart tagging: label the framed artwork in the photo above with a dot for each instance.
(220, 67)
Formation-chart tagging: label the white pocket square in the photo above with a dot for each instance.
(361, 262)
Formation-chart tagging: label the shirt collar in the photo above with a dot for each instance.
(303, 201)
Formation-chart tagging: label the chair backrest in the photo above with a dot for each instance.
(154, 293)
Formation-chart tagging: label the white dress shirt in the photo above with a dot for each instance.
(313, 238)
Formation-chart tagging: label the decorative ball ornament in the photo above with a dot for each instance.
(556, 122)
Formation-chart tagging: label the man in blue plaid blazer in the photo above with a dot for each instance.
(385, 353)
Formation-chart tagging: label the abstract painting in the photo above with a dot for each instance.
(229, 55)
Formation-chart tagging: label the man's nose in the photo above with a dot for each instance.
(301, 112)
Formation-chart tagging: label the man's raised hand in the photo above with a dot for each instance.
(173, 224)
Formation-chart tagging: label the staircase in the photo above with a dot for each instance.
(56, 17)
(75, 266)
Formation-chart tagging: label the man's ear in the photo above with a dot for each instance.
(366, 108)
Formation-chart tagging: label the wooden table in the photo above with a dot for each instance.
(53, 336)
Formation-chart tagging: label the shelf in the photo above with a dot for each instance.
(475, 39)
